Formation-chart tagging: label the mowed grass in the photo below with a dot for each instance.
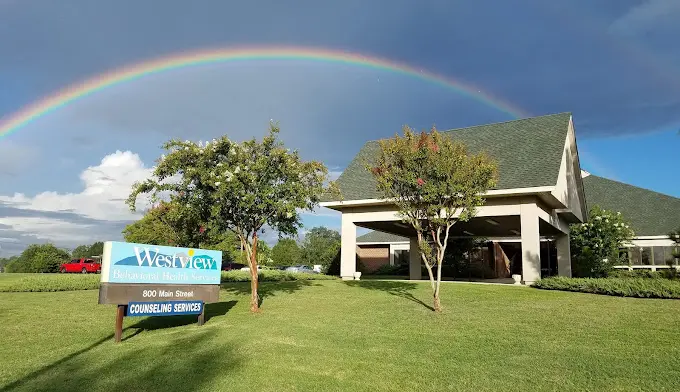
(358, 336)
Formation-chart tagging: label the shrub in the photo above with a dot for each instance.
(271, 276)
(50, 282)
(387, 269)
(622, 287)
(595, 244)
(666, 273)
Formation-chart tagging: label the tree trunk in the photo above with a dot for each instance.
(254, 298)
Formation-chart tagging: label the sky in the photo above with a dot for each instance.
(63, 176)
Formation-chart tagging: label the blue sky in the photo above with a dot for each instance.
(613, 63)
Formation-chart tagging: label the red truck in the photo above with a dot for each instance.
(83, 266)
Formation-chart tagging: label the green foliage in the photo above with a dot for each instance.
(286, 252)
(4, 261)
(320, 246)
(50, 282)
(662, 273)
(387, 269)
(621, 287)
(271, 276)
(44, 258)
(434, 183)
(675, 236)
(238, 187)
(96, 249)
(224, 186)
(595, 244)
(168, 223)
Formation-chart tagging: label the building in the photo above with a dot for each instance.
(541, 191)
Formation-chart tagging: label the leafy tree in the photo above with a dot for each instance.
(224, 186)
(39, 258)
(81, 251)
(286, 252)
(95, 249)
(596, 244)
(5, 261)
(320, 246)
(155, 228)
(434, 182)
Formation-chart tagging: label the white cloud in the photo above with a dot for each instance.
(650, 15)
(105, 188)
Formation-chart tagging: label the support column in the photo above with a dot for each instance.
(415, 271)
(391, 255)
(563, 256)
(348, 248)
(531, 243)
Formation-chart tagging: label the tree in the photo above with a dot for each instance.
(434, 183)
(596, 244)
(96, 249)
(39, 258)
(320, 247)
(81, 251)
(154, 228)
(286, 253)
(5, 261)
(224, 186)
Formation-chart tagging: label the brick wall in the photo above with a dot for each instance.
(373, 256)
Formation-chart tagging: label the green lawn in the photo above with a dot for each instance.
(358, 336)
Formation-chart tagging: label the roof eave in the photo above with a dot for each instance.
(495, 193)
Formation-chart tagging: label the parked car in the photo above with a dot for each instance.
(83, 266)
(301, 269)
(232, 266)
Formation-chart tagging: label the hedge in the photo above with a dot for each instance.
(73, 282)
(621, 287)
(48, 282)
(272, 276)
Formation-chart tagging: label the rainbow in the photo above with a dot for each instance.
(133, 72)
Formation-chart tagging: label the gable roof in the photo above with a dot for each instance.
(649, 213)
(379, 236)
(528, 153)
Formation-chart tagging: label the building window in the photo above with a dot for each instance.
(658, 253)
(401, 257)
(635, 256)
(646, 255)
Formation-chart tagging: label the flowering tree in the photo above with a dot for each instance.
(434, 183)
(224, 186)
(596, 244)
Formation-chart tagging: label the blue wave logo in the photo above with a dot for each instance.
(145, 257)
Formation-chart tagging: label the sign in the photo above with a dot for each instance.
(152, 280)
(125, 262)
(166, 308)
(122, 293)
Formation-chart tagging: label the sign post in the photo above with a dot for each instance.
(151, 280)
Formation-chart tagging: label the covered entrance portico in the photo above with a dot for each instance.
(521, 223)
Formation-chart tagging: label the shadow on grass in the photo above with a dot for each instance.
(70, 367)
(152, 323)
(399, 289)
(267, 289)
(184, 364)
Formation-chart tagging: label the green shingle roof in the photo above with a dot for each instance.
(649, 212)
(379, 236)
(528, 153)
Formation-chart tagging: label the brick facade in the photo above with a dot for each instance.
(373, 257)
